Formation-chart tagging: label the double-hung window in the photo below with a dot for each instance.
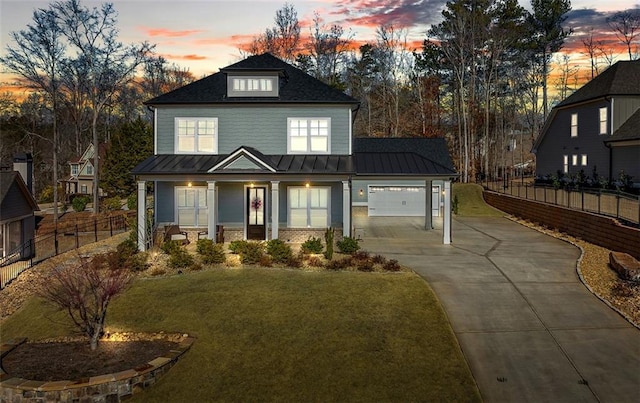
(74, 169)
(583, 160)
(603, 120)
(309, 207)
(196, 135)
(565, 164)
(89, 169)
(308, 135)
(191, 206)
(574, 125)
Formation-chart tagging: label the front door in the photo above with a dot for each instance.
(256, 223)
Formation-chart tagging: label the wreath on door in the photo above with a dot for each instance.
(256, 203)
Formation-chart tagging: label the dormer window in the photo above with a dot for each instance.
(252, 86)
(74, 169)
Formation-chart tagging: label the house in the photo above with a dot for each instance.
(81, 174)
(264, 150)
(595, 129)
(17, 219)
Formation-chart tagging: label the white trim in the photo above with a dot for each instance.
(346, 208)
(328, 208)
(155, 131)
(196, 135)
(275, 208)
(308, 136)
(142, 216)
(350, 131)
(240, 152)
(446, 227)
(212, 207)
(196, 206)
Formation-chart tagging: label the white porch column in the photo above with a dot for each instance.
(346, 209)
(211, 207)
(142, 216)
(428, 214)
(446, 219)
(275, 208)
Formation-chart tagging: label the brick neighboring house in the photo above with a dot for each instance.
(267, 151)
(595, 128)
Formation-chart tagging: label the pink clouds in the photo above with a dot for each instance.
(168, 33)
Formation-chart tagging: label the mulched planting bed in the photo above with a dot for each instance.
(74, 360)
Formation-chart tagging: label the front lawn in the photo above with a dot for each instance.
(284, 335)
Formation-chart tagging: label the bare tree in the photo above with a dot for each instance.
(591, 50)
(283, 40)
(85, 289)
(626, 25)
(107, 64)
(327, 49)
(36, 58)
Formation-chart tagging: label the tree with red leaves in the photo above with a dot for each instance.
(85, 289)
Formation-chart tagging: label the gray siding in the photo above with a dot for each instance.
(165, 202)
(231, 203)
(264, 128)
(626, 159)
(558, 142)
(623, 108)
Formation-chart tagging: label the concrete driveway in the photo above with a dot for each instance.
(527, 326)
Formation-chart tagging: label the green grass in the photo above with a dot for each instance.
(471, 203)
(280, 335)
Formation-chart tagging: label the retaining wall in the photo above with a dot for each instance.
(596, 229)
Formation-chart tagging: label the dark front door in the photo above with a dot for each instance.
(256, 228)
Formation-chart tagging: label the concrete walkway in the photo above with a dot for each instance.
(527, 326)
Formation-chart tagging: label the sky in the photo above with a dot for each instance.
(205, 35)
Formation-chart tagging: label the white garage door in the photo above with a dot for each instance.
(400, 201)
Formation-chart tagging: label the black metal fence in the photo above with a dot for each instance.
(61, 239)
(623, 206)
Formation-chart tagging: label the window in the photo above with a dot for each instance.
(89, 169)
(191, 206)
(83, 189)
(309, 207)
(574, 125)
(603, 120)
(196, 135)
(583, 160)
(574, 160)
(308, 135)
(74, 169)
(254, 86)
(565, 164)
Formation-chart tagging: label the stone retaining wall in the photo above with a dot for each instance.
(596, 229)
(103, 388)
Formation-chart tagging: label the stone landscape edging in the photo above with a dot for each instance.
(108, 387)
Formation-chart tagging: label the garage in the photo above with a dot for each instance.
(401, 201)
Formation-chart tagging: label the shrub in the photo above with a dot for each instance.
(455, 203)
(210, 252)
(46, 196)
(169, 247)
(295, 261)
(132, 201)
(238, 247)
(328, 240)
(112, 204)
(379, 259)
(365, 265)
(315, 261)
(348, 245)
(265, 261)
(279, 251)
(180, 259)
(361, 255)
(79, 203)
(312, 245)
(253, 253)
(127, 247)
(137, 262)
(391, 265)
(339, 264)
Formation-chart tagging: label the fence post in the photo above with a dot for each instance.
(582, 201)
(110, 227)
(55, 240)
(617, 205)
(95, 228)
(77, 242)
(599, 194)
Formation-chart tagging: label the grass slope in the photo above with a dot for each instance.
(278, 335)
(471, 203)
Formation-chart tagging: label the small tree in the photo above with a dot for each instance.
(85, 289)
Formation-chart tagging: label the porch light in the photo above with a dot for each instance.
(251, 184)
(189, 184)
(306, 184)
(361, 192)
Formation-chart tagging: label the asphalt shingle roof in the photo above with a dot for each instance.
(623, 78)
(630, 130)
(295, 86)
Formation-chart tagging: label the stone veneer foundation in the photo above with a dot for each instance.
(104, 388)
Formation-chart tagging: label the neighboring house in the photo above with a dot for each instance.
(17, 219)
(265, 150)
(595, 128)
(81, 174)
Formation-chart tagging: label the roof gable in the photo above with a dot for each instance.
(11, 181)
(296, 86)
(629, 130)
(244, 158)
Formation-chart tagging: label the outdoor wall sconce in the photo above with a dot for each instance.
(361, 192)
(306, 184)
(251, 184)
(189, 184)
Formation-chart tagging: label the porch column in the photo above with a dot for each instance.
(446, 219)
(211, 207)
(142, 216)
(346, 208)
(428, 214)
(275, 208)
